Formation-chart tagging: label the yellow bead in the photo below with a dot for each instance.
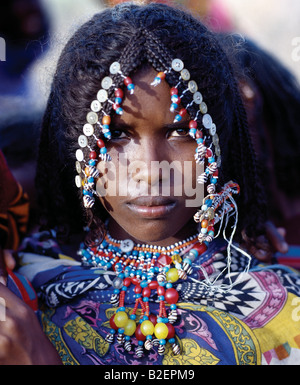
(121, 319)
(129, 328)
(161, 331)
(176, 258)
(147, 328)
(172, 275)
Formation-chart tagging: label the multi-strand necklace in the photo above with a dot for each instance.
(148, 269)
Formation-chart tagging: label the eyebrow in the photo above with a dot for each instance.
(170, 126)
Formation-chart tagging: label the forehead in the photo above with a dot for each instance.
(147, 102)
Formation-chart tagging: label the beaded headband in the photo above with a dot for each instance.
(201, 128)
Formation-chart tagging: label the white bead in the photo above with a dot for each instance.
(102, 96)
(88, 129)
(193, 87)
(92, 117)
(79, 155)
(106, 82)
(115, 68)
(177, 65)
(82, 141)
(96, 106)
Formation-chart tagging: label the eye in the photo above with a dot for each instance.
(118, 134)
(179, 133)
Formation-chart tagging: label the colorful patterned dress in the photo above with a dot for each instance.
(257, 322)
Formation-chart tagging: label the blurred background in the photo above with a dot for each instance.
(35, 31)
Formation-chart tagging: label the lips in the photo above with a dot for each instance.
(152, 207)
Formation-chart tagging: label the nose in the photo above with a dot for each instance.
(146, 166)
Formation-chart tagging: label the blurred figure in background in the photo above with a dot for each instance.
(24, 26)
(212, 12)
(271, 96)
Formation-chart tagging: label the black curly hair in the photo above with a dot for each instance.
(135, 36)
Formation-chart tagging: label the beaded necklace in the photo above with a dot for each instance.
(147, 268)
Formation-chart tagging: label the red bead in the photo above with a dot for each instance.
(93, 155)
(116, 106)
(164, 260)
(138, 334)
(137, 289)
(127, 81)
(199, 135)
(171, 296)
(193, 124)
(100, 143)
(161, 290)
(119, 93)
(146, 291)
(135, 281)
(127, 282)
(153, 319)
(182, 112)
(201, 248)
(112, 323)
(173, 91)
(153, 285)
(209, 153)
(216, 173)
(171, 330)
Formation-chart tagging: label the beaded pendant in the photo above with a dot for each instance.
(149, 271)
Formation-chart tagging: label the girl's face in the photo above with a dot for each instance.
(149, 188)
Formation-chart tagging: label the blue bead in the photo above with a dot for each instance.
(130, 86)
(92, 162)
(122, 308)
(124, 288)
(132, 316)
(194, 252)
(187, 260)
(161, 298)
(211, 160)
(149, 337)
(105, 126)
(145, 299)
(172, 340)
(159, 319)
(178, 118)
(112, 331)
(141, 343)
(116, 291)
(169, 285)
(103, 150)
(121, 330)
(213, 181)
(166, 320)
(199, 141)
(162, 342)
(118, 100)
(119, 111)
(173, 307)
(127, 338)
(166, 269)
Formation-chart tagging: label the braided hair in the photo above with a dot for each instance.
(135, 36)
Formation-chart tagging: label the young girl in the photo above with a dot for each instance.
(145, 144)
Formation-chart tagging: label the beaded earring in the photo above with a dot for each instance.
(95, 128)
